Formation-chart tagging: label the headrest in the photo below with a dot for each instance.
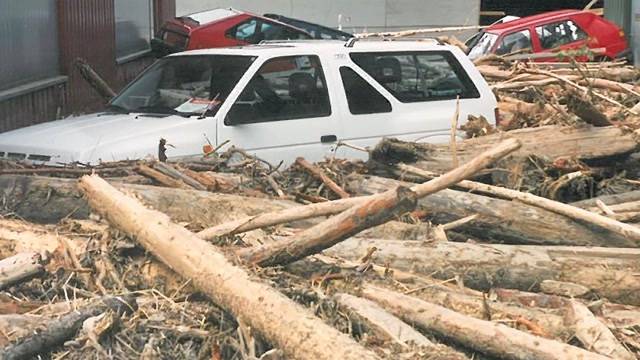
(388, 70)
(301, 85)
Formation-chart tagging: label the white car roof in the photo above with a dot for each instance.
(297, 47)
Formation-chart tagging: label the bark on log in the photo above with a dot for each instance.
(373, 211)
(319, 174)
(485, 336)
(169, 170)
(48, 200)
(609, 272)
(161, 178)
(609, 199)
(298, 334)
(623, 230)
(595, 335)
(19, 267)
(551, 142)
(500, 220)
(64, 328)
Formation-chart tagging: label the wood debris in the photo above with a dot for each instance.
(528, 249)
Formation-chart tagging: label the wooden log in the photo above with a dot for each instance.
(319, 174)
(49, 200)
(584, 143)
(483, 266)
(393, 328)
(94, 79)
(60, 330)
(20, 267)
(624, 230)
(169, 170)
(299, 335)
(609, 199)
(374, 210)
(161, 178)
(595, 335)
(490, 338)
(499, 220)
(580, 105)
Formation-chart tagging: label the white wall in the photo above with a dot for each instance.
(356, 15)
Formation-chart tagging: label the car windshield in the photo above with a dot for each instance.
(183, 85)
(481, 44)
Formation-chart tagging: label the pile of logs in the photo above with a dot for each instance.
(521, 242)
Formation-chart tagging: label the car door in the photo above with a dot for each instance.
(284, 111)
(561, 36)
(408, 95)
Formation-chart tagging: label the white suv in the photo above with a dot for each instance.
(276, 100)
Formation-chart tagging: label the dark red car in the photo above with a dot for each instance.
(552, 32)
(221, 28)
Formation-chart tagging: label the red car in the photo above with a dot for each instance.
(552, 32)
(221, 28)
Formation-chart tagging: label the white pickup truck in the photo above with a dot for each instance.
(276, 100)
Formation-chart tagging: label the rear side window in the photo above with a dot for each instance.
(418, 76)
(285, 88)
(515, 43)
(559, 33)
(254, 30)
(361, 96)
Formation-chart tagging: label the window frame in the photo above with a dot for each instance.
(451, 59)
(346, 95)
(501, 39)
(130, 56)
(580, 29)
(237, 97)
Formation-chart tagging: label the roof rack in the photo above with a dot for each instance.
(350, 42)
(263, 42)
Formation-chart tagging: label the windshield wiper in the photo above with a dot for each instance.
(119, 109)
(158, 109)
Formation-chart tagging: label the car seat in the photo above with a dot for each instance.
(388, 70)
(302, 87)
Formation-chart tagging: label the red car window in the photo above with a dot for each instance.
(559, 33)
(515, 43)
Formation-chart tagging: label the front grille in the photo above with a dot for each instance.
(16, 156)
(39, 157)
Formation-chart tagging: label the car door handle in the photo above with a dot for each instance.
(328, 138)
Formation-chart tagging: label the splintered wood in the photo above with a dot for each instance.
(519, 242)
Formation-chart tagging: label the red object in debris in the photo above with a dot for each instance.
(551, 32)
(221, 28)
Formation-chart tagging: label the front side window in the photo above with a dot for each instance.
(284, 88)
(418, 76)
(254, 30)
(515, 43)
(559, 33)
(184, 85)
(362, 98)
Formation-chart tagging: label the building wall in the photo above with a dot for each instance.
(85, 29)
(356, 15)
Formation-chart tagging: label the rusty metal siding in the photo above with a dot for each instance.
(86, 31)
(33, 108)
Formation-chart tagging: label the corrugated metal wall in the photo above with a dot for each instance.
(619, 11)
(86, 31)
(86, 28)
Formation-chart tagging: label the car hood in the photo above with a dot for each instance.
(92, 138)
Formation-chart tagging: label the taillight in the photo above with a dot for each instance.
(498, 117)
(621, 33)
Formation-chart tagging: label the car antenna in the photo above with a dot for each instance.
(209, 106)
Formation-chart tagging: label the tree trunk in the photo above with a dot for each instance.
(373, 211)
(609, 272)
(59, 330)
(547, 141)
(48, 200)
(485, 336)
(19, 268)
(393, 328)
(283, 322)
(500, 220)
(595, 335)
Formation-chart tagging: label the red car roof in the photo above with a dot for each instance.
(533, 19)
